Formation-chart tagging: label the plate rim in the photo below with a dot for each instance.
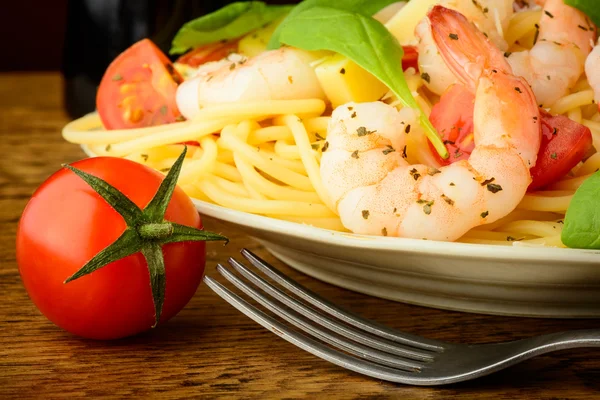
(394, 244)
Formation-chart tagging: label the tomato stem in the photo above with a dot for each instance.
(154, 231)
(146, 231)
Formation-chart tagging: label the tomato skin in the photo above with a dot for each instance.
(138, 89)
(452, 117)
(564, 144)
(207, 53)
(66, 223)
(410, 59)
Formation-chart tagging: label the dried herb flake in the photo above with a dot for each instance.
(494, 188)
(415, 174)
(389, 150)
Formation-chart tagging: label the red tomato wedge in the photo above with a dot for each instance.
(564, 142)
(410, 58)
(210, 52)
(138, 89)
(452, 117)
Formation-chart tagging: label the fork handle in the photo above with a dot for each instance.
(564, 340)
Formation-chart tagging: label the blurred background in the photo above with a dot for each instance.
(81, 37)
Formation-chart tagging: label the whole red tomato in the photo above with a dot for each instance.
(66, 223)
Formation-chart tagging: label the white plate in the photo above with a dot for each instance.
(524, 281)
(521, 281)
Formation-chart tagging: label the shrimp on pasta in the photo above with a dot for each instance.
(592, 70)
(375, 190)
(283, 74)
(490, 16)
(556, 61)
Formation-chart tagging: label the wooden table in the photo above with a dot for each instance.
(210, 349)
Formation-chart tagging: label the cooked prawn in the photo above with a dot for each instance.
(375, 191)
(592, 71)
(490, 16)
(555, 62)
(282, 74)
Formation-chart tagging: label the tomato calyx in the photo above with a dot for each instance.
(147, 231)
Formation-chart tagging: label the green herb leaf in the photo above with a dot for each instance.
(582, 222)
(364, 7)
(588, 7)
(229, 22)
(363, 40)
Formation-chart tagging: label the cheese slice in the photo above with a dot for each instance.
(402, 25)
(343, 81)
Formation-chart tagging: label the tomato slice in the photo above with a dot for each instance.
(564, 144)
(210, 52)
(410, 59)
(138, 89)
(452, 117)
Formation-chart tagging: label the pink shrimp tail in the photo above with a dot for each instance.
(463, 47)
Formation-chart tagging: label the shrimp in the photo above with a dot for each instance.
(592, 71)
(490, 16)
(376, 192)
(282, 74)
(555, 62)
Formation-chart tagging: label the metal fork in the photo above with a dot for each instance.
(368, 347)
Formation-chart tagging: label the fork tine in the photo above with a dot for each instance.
(310, 345)
(314, 330)
(338, 327)
(350, 318)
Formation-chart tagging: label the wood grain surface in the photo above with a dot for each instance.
(210, 350)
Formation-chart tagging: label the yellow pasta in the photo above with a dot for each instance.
(545, 203)
(196, 168)
(572, 101)
(522, 24)
(263, 109)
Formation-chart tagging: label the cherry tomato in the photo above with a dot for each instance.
(138, 89)
(564, 144)
(452, 117)
(209, 52)
(410, 58)
(66, 223)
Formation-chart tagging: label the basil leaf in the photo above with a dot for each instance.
(582, 222)
(229, 22)
(365, 7)
(363, 40)
(588, 7)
